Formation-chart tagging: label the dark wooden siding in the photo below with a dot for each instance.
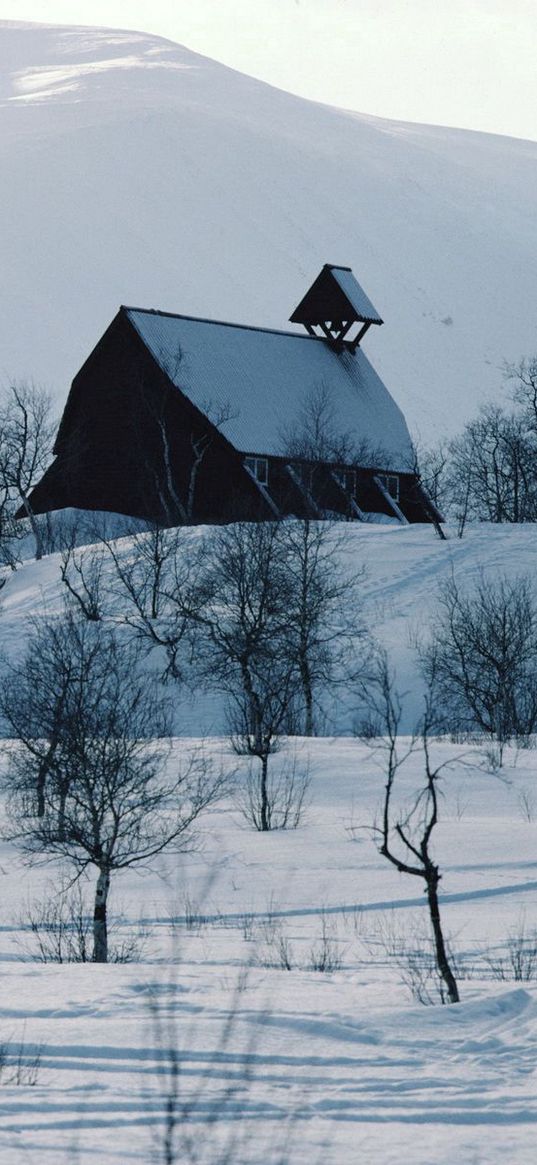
(109, 450)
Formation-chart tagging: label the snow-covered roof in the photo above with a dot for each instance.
(264, 378)
(356, 295)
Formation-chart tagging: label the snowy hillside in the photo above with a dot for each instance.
(404, 568)
(133, 170)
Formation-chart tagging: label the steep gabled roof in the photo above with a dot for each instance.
(264, 378)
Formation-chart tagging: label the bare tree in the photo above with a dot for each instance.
(524, 376)
(245, 649)
(174, 476)
(157, 585)
(274, 797)
(246, 593)
(491, 474)
(144, 570)
(324, 623)
(176, 504)
(201, 442)
(482, 657)
(326, 463)
(258, 718)
(405, 836)
(26, 437)
(149, 582)
(83, 571)
(89, 777)
(161, 469)
(432, 465)
(41, 693)
(487, 473)
(315, 437)
(429, 469)
(11, 532)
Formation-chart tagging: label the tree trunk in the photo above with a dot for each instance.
(64, 790)
(308, 696)
(100, 924)
(198, 458)
(438, 528)
(34, 525)
(265, 808)
(179, 509)
(254, 725)
(42, 774)
(442, 960)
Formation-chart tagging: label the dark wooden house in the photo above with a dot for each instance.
(175, 419)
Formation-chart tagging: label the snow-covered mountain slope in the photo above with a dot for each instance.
(133, 170)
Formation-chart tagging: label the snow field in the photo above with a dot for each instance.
(317, 1066)
(294, 1065)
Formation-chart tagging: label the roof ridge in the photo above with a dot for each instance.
(153, 311)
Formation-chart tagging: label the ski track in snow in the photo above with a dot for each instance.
(404, 1077)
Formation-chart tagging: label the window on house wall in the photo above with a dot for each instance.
(390, 482)
(258, 467)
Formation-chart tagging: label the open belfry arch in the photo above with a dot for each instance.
(337, 308)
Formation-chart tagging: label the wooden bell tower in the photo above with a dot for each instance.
(336, 309)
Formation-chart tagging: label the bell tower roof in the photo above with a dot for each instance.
(334, 303)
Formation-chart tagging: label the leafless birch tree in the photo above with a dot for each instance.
(90, 777)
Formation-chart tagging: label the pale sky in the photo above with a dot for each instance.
(469, 63)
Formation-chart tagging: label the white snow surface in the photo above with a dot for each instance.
(263, 381)
(135, 171)
(294, 1066)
